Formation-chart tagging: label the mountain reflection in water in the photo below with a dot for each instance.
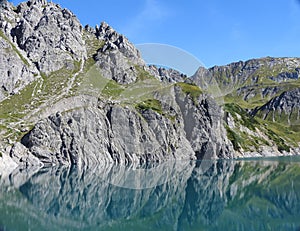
(207, 195)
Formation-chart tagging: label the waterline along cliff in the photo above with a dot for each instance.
(82, 95)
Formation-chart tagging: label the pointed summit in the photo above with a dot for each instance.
(42, 2)
(3, 3)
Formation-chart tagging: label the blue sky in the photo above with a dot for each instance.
(217, 32)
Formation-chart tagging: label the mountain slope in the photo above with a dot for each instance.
(92, 99)
(261, 99)
(77, 95)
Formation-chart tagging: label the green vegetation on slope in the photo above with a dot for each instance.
(113, 89)
(254, 91)
(37, 95)
(152, 104)
(283, 136)
(92, 43)
(190, 89)
(245, 119)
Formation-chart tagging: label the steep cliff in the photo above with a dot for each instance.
(152, 131)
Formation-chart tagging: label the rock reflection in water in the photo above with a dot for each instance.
(207, 195)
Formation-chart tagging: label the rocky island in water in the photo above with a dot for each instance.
(83, 96)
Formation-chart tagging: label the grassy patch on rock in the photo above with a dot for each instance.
(113, 89)
(190, 89)
(150, 104)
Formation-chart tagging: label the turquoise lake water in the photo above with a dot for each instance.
(256, 194)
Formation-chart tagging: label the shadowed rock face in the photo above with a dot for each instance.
(181, 195)
(286, 105)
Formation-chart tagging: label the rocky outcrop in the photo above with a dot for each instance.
(129, 135)
(50, 36)
(249, 92)
(36, 38)
(118, 58)
(15, 71)
(167, 75)
(203, 125)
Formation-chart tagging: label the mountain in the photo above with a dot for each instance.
(76, 95)
(261, 101)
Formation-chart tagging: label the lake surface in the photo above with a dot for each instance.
(257, 194)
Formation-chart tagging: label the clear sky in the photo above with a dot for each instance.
(217, 32)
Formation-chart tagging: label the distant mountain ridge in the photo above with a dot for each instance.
(77, 95)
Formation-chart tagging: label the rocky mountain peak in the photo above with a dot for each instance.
(49, 34)
(118, 57)
(37, 2)
(167, 75)
(3, 3)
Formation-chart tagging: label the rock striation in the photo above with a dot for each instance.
(283, 108)
(126, 135)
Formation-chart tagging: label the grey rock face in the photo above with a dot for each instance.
(50, 36)
(21, 155)
(117, 58)
(125, 135)
(37, 37)
(92, 136)
(284, 106)
(249, 92)
(203, 124)
(15, 71)
(3, 3)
